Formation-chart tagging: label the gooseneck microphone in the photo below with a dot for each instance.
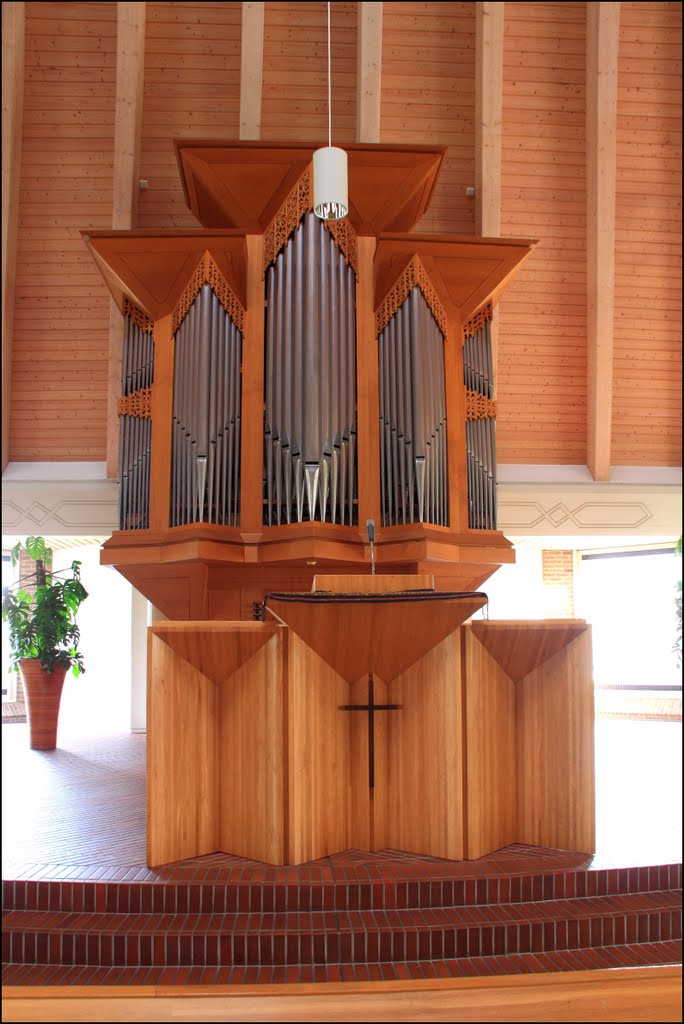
(370, 526)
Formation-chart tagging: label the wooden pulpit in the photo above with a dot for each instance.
(365, 715)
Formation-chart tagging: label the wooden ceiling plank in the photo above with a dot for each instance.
(130, 74)
(251, 70)
(369, 74)
(603, 27)
(13, 39)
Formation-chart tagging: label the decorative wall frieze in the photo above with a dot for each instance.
(479, 407)
(137, 316)
(591, 510)
(413, 276)
(138, 403)
(52, 508)
(208, 272)
(476, 321)
(585, 511)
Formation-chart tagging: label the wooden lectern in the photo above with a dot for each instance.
(366, 715)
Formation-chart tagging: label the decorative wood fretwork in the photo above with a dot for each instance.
(298, 202)
(475, 322)
(345, 239)
(224, 293)
(208, 272)
(138, 403)
(479, 407)
(414, 276)
(137, 316)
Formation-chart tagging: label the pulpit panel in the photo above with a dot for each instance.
(426, 782)
(182, 740)
(251, 772)
(491, 761)
(318, 756)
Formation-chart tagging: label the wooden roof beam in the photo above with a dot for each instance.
(251, 70)
(489, 24)
(369, 72)
(489, 28)
(130, 73)
(13, 36)
(602, 35)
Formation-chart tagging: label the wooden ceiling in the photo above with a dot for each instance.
(564, 118)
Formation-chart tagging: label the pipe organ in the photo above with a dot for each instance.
(310, 381)
(478, 378)
(413, 416)
(206, 414)
(137, 377)
(287, 381)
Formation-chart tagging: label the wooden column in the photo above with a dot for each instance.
(369, 72)
(489, 27)
(130, 72)
(13, 36)
(251, 70)
(367, 387)
(602, 34)
(252, 441)
(162, 423)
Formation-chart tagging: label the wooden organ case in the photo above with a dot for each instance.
(285, 381)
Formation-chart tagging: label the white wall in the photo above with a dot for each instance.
(517, 591)
(101, 697)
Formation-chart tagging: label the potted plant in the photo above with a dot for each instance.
(41, 613)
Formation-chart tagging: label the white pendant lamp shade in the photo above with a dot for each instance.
(330, 183)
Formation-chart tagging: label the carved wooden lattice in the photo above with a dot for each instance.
(479, 407)
(299, 202)
(208, 272)
(413, 276)
(137, 316)
(345, 238)
(138, 403)
(476, 321)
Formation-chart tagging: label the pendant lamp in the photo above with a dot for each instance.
(330, 169)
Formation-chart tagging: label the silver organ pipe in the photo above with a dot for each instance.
(206, 415)
(413, 464)
(480, 429)
(310, 381)
(137, 375)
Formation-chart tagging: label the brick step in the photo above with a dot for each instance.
(320, 937)
(645, 954)
(259, 895)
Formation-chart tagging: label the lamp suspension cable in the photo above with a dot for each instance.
(329, 85)
(330, 166)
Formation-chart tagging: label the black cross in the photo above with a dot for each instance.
(371, 707)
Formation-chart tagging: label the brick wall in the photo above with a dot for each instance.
(559, 590)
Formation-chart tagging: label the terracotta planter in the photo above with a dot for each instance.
(43, 693)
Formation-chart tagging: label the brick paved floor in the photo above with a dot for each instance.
(81, 808)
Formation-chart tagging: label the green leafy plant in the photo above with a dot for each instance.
(42, 619)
